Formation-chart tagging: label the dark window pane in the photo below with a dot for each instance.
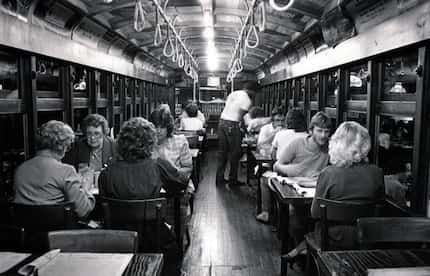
(400, 77)
(11, 151)
(395, 156)
(8, 76)
(358, 82)
(80, 82)
(332, 88)
(47, 78)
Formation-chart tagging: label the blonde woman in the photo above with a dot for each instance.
(350, 177)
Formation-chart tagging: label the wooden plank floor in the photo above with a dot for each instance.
(225, 237)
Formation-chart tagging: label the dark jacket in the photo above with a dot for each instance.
(360, 183)
(80, 153)
(140, 180)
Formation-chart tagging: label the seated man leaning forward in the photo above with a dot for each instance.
(44, 179)
(305, 157)
(309, 155)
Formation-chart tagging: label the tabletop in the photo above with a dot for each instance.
(287, 194)
(357, 262)
(261, 158)
(140, 264)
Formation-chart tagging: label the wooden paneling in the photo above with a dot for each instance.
(9, 106)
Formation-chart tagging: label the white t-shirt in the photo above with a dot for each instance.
(191, 124)
(284, 137)
(236, 103)
(200, 116)
(266, 132)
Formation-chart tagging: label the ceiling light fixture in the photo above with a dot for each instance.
(207, 18)
(209, 33)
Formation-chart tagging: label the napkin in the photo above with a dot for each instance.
(33, 267)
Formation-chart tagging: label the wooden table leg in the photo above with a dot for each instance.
(248, 165)
(177, 220)
(284, 214)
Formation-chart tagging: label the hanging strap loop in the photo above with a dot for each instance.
(252, 32)
(176, 53)
(181, 61)
(158, 38)
(261, 16)
(275, 6)
(139, 16)
(169, 48)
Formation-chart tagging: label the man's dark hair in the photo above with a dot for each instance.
(191, 110)
(278, 110)
(256, 112)
(296, 120)
(321, 120)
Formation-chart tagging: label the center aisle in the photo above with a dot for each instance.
(225, 237)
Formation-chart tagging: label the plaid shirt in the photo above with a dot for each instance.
(177, 151)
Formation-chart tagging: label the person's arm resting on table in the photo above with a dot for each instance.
(283, 165)
(84, 201)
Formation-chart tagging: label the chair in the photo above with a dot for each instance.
(140, 215)
(393, 232)
(11, 238)
(336, 213)
(44, 217)
(37, 220)
(94, 241)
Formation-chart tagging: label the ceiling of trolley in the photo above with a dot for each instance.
(192, 17)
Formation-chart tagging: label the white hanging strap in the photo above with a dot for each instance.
(261, 16)
(176, 53)
(169, 48)
(238, 65)
(181, 61)
(157, 35)
(280, 8)
(252, 31)
(139, 16)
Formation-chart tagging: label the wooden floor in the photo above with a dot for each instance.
(225, 237)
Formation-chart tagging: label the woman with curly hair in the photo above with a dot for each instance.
(44, 179)
(350, 178)
(136, 175)
(96, 149)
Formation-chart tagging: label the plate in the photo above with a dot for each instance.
(307, 183)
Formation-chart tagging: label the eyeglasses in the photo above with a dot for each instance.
(94, 135)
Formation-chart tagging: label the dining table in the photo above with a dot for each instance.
(288, 192)
(82, 263)
(373, 262)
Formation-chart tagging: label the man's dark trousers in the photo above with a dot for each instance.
(229, 148)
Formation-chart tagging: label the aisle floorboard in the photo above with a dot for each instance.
(225, 238)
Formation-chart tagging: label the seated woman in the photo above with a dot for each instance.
(350, 177)
(44, 179)
(137, 176)
(96, 150)
(191, 122)
(170, 147)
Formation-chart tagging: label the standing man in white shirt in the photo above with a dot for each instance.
(229, 137)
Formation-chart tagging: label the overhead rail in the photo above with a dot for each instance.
(174, 47)
(248, 31)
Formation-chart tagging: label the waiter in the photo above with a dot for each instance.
(237, 104)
